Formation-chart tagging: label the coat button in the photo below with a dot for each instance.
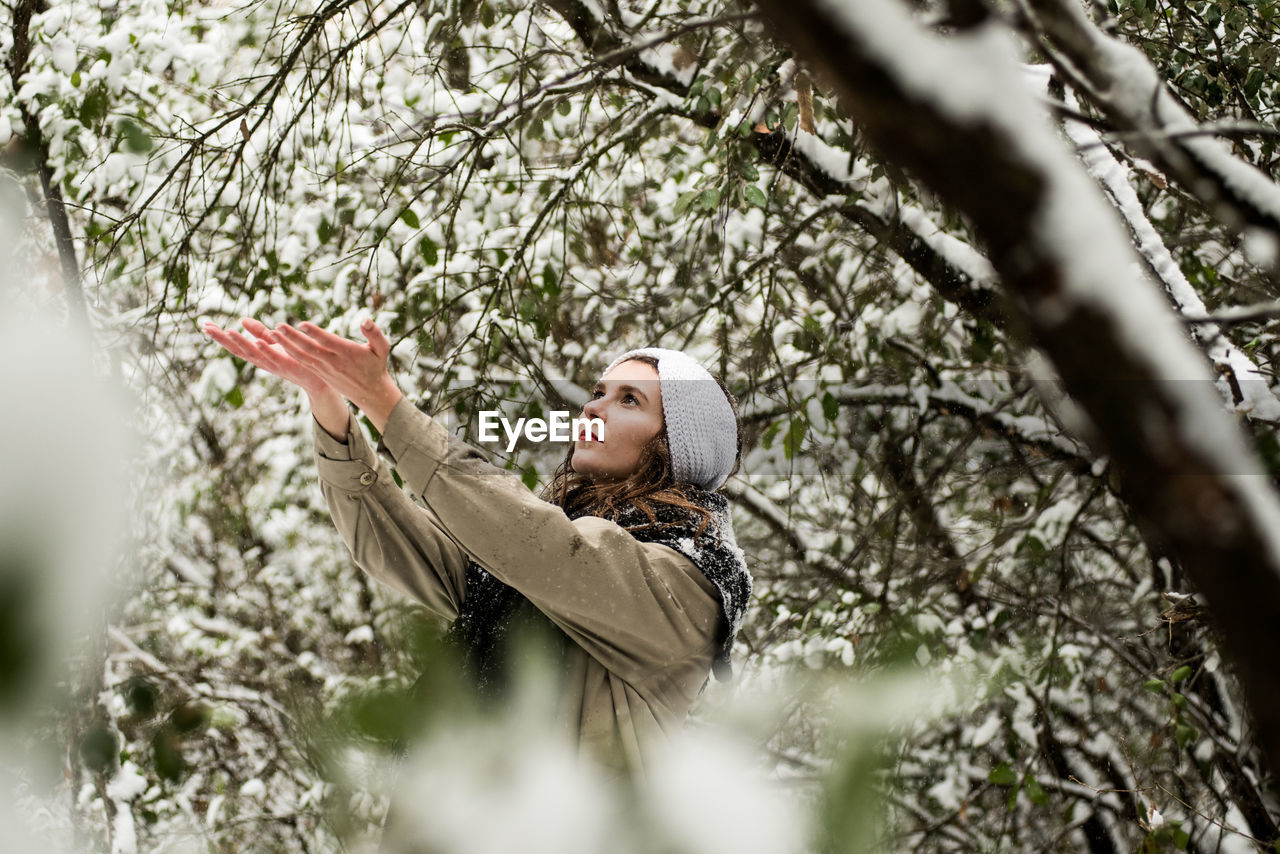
(367, 478)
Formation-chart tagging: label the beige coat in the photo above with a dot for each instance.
(642, 618)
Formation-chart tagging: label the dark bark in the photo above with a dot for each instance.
(34, 143)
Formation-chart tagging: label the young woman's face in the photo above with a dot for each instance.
(628, 400)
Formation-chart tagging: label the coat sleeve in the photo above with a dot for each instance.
(637, 608)
(389, 536)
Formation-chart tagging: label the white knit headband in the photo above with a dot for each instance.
(702, 431)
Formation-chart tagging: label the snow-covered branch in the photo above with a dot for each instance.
(1122, 82)
(1244, 388)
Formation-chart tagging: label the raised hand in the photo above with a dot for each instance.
(264, 353)
(356, 371)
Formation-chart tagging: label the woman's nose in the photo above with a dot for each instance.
(594, 408)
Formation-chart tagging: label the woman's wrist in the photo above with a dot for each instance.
(330, 411)
(379, 403)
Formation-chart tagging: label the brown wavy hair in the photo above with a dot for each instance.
(653, 482)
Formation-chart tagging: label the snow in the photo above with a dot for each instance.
(663, 58)
(124, 836)
(880, 198)
(710, 796)
(835, 163)
(128, 783)
(985, 733)
(1261, 247)
(1258, 400)
(548, 802)
(903, 320)
(308, 579)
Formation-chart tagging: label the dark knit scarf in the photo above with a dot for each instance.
(498, 628)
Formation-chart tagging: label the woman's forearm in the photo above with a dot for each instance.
(330, 410)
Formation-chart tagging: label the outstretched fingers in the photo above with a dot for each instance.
(324, 338)
(262, 354)
(302, 347)
(377, 341)
(258, 330)
(233, 342)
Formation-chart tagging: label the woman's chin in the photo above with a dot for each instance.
(596, 474)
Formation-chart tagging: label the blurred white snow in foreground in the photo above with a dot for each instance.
(63, 453)
(496, 786)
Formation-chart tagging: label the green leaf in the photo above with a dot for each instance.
(189, 717)
(324, 231)
(1035, 791)
(564, 108)
(141, 696)
(409, 218)
(135, 139)
(1185, 734)
(235, 397)
(429, 251)
(166, 749)
(795, 435)
(527, 309)
(754, 195)
(529, 477)
(1180, 674)
(98, 749)
(830, 406)
(550, 282)
(770, 433)
(381, 715)
(790, 114)
(1002, 775)
(94, 106)
(1154, 685)
(683, 203)
(709, 199)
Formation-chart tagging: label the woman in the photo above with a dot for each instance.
(631, 558)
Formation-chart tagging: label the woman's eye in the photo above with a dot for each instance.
(597, 394)
(630, 397)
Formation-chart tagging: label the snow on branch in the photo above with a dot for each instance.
(1246, 390)
(1122, 82)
